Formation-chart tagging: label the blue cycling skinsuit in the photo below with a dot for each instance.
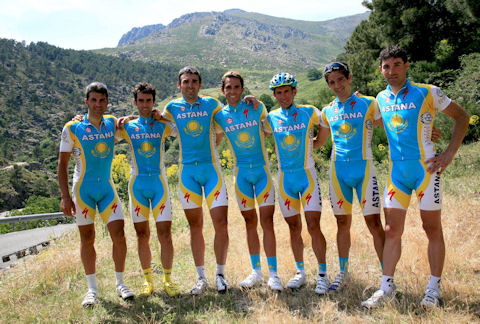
(244, 128)
(408, 119)
(297, 179)
(93, 186)
(351, 128)
(198, 156)
(148, 186)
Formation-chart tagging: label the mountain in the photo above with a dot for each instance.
(238, 39)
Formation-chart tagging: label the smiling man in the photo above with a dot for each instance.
(92, 141)
(200, 173)
(408, 111)
(244, 128)
(148, 186)
(292, 126)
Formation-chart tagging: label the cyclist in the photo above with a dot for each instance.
(408, 111)
(292, 126)
(349, 119)
(243, 126)
(91, 141)
(148, 186)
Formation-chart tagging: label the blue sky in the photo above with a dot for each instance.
(88, 24)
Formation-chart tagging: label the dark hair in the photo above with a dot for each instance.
(336, 66)
(96, 87)
(189, 69)
(394, 51)
(144, 87)
(231, 74)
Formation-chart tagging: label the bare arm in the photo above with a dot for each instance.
(322, 136)
(66, 204)
(440, 162)
(218, 138)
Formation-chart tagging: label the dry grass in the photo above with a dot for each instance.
(50, 286)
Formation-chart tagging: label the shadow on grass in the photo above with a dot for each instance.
(237, 304)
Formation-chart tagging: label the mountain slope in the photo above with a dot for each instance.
(239, 39)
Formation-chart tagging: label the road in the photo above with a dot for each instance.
(11, 243)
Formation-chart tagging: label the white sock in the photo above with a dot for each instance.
(434, 283)
(273, 273)
(119, 277)
(201, 271)
(92, 282)
(220, 269)
(387, 284)
(259, 272)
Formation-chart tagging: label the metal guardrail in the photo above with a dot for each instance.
(25, 218)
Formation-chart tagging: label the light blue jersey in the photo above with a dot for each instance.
(293, 131)
(148, 186)
(408, 119)
(93, 187)
(244, 127)
(351, 127)
(195, 128)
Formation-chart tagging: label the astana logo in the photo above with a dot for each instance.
(101, 150)
(244, 140)
(290, 142)
(397, 124)
(193, 128)
(346, 130)
(146, 149)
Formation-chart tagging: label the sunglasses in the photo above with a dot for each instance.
(335, 66)
(188, 69)
(96, 85)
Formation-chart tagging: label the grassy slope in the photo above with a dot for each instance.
(49, 287)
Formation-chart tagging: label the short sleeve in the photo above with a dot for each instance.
(66, 142)
(440, 100)
(377, 114)
(323, 119)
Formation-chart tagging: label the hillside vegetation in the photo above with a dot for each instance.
(239, 39)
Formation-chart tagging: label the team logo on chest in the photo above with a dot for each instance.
(146, 149)
(193, 128)
(244, 140)
(229, 120)
(346, 130)
(101, 150)
(290, 142)
(397, 124)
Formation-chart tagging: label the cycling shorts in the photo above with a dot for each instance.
(299, 187)
(149, 191)
(90, 194)
(251, 182)
(194, 176)
(359, 175)
(407, 175)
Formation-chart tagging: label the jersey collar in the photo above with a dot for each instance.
(236, 108)
(349, 99)
(87, 122)
(290, 111)
(145, 121)
(195, 104)
(403, 89)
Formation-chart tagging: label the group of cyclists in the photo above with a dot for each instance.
(406, 110)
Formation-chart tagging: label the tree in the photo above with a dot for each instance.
(267, 101)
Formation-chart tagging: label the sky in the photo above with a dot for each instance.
(93, 24)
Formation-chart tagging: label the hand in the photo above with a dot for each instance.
(252, 100)
(68, 206)
(123, 120)
(439, 163)
(358, 94)
(157, 115)
(436, 134)
(77, 118)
